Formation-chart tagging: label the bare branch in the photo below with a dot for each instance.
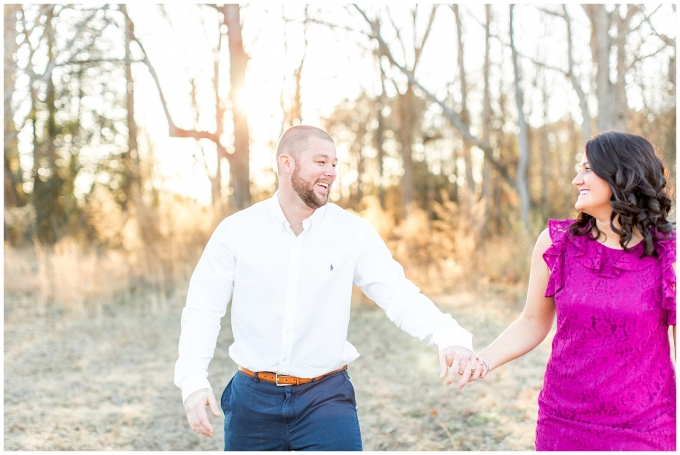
(419, 49)
(327, 24)
(174, 131)
(396, 29)
(95, 60)
(551, 13)
(69, 45)
(542, 64)
(669, 41)
(33, 76)
(642, 57)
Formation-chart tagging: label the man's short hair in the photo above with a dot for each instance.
(296, 139)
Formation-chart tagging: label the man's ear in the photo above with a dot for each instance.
(286, 163)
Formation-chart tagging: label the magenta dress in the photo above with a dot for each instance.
(610, 382)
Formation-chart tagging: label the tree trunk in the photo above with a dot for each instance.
(12, 167)
(486, 123)
(586, 130)
(216, 180)
(405, 138)
(44, 196)
(239, 163)
(546, 165)
(379, 145)
(359, 194)
(464, 114)
(622, 27)
(522, 165)
(601, 44)
(131, 157)
(620, 119)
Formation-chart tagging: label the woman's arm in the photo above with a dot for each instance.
(675, 345)
(675, 342)
(533, 326)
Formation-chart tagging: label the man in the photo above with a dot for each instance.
(288, 265)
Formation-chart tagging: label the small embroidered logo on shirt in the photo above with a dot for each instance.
(331, 267)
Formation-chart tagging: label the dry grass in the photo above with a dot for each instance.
(84, 381)
(155, 251)
(449, 254)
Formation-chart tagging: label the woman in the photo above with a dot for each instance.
(610, 277)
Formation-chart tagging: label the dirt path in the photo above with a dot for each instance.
(104, 382)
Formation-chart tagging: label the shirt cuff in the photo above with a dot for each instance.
(194, 382)
(457, 337)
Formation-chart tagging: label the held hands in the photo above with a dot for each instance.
(455, 360)
(195, 405)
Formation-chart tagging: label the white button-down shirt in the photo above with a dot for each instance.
(291, 294)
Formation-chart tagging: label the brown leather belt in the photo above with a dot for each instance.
(283, 380)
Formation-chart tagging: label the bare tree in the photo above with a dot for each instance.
(408, 113)
(12, 167)
(380, 137)
(451, 115)
(464, 113)
(130, 157)
(611, 96)
(583, 100)
(239, 158)
(239, 161)
(522, 165)
(486, 120)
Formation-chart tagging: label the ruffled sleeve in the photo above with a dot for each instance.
(667, 253)
(554, 255)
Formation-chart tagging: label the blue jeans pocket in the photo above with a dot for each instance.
(350, 386)
(226, 394)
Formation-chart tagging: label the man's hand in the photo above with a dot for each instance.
(455, 360)
(195, 405)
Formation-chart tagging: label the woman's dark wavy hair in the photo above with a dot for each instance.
(638, 179)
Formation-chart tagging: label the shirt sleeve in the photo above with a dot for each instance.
(382, 279)
(210, 291)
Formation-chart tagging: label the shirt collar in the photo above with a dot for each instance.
(277, 214)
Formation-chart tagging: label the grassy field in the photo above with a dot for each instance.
(102, 380)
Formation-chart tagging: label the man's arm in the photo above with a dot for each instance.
(382, 279)
(210, 290)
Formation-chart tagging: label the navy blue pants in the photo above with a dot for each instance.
(321, 415)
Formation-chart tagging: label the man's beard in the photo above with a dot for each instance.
(305, 190)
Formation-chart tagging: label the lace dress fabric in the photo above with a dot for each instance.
(610, 382)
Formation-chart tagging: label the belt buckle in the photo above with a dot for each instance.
(281, 385)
